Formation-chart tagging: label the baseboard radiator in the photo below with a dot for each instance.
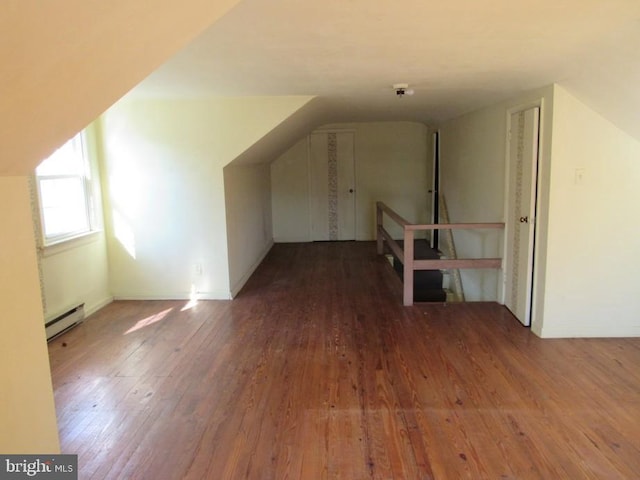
(64, 322)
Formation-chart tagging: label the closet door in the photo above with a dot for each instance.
(521, 212)
(332, 186)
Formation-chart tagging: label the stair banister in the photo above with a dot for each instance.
(406, 254)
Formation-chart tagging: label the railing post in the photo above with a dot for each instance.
(408, 267)
(379, 238)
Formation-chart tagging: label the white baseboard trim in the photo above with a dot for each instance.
(599, 330)
(304, 239)
(216, 295)
(94, 307)
(235, 289)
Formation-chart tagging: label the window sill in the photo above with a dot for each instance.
(69, 243)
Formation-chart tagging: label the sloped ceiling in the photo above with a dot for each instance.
(63, 63)
(458, 55)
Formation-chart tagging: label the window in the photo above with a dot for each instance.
(64, 192)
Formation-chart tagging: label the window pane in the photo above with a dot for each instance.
(63, 206)
(67, 160)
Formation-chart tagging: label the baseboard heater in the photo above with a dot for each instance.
(64, 322)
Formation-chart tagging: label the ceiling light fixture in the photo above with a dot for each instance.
(402, 89)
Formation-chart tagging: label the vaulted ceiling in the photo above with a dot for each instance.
(457, 55)
(62, 66)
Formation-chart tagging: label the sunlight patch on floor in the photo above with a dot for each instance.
(145, 322)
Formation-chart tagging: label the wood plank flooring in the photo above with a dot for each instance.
(316, 371)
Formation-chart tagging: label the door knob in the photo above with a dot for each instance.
(524, 219)
(351, 190)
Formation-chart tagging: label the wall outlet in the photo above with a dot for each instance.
(198, 269)
(579, 175)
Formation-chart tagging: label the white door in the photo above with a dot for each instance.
(332, 186)
(521, 212)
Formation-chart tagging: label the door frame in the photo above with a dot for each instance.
(536, 258)
(435, 190)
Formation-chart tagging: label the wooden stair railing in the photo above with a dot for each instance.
(406, 254)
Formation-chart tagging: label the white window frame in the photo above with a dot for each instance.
(88, 194)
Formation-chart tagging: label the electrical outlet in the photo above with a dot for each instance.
(198, 269)
(579, 175)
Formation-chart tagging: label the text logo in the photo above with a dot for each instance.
(50, 467)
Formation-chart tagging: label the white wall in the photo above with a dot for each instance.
(165, 213)
(290, 195)
(248, 209)
(593, 253)
(472, 183)
(27, 415)
(473, 168)
(74, 275)
(393, 164)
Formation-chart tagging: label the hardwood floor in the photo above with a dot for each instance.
(316, 371)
